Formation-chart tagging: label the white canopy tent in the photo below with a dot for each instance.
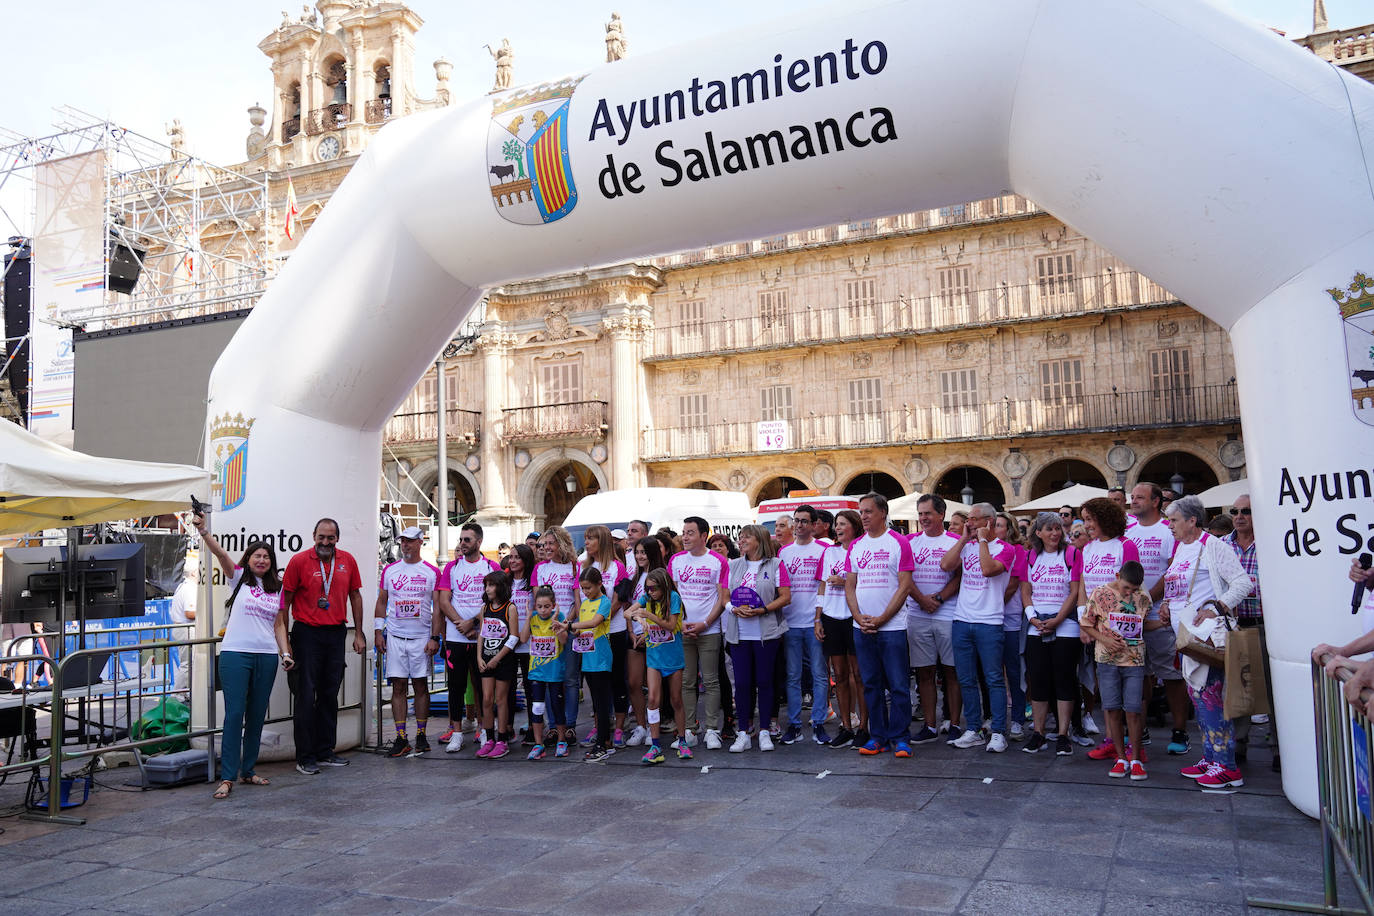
(1075, 496)
(904, 508)
(1225, 494)
(43, 485)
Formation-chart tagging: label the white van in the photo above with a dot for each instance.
(725, 511)
(770, 510)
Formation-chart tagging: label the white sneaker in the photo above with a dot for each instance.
(639, 736)
(455, 744)
(969, 739)
(713, 740)
(742, 742)
(1017, 732)
(1261, 719)
(997, 743)
(1089, 725)
(944, 728)
(691, 738)
(765, 741)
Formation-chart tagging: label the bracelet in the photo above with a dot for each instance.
(379, 624)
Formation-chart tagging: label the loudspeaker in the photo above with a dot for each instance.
(126, 264)
(18, 301)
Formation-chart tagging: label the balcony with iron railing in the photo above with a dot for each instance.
(545, 422)
(331, 117)
(907, 316)
(290, 127)
(423, 426)
(978, 211)
(1001, 419)
(377, 111)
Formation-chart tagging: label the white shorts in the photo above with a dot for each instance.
(929, 640)
(406, 657)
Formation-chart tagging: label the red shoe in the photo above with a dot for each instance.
(1138, 771)
(1220, 779)
(1197, 770)
(1104, 751)
(1143, 757)
(446, 736)
(1119, 769)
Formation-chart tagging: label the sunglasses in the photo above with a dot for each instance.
(1245, 511)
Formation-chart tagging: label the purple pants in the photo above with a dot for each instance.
(754, 662)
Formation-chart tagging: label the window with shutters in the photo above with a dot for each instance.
(691, 322)
(958, 389)
(560, 382)
(777, 403)
(953, 289)
(861, 297)
(865, 396)
(773, 321)
(692, 437)
(1061, 380)
(1171, 385)
(1054, 276)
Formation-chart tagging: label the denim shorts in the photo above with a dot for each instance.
(1121, 686)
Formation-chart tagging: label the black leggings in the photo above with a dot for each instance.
(1052, 668)
(599, 686)
(461, 669)
(620, 683)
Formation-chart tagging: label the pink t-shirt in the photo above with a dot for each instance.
(1011, 608)
(1155, 545)
(1050, 584)
(464, 580)
(980, 597)
(1099, 561)
(877, 564)
(409, 591)
(698, 581)
(802, 565)
(927, 576)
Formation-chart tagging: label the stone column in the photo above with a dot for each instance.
(495, 498)
(624, 329)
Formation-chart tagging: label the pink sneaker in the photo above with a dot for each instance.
(486, 749)
(618, 737)
(1197, 770)
(1220, 779)
(499, 749)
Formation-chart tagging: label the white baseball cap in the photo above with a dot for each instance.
(618, 533)
(413, 533)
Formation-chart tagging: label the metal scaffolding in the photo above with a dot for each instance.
(196, 230)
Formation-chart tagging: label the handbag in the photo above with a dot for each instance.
(1204, 652)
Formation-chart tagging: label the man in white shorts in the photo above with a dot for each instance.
(406, 631)
(930, 614)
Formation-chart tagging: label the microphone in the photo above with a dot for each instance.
(1358, 597)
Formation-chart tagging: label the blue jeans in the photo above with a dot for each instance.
(885, 665)
(974, 643)
(247, 680)
(801, 640)
(1011, 661)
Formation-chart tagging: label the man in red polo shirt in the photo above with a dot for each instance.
(317, 586)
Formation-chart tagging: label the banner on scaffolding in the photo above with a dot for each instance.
(68, 276)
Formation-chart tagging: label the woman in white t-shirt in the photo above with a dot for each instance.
(1013, 624)
(254, 638)
(1052, 647)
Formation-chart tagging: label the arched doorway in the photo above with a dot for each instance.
(874, 482)
(1182, 472)
(1060, 474)
(567, 483)
(701, 485)
(462, 502)
(955, 481)
(777, 488)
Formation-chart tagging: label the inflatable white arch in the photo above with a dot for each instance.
(1216, 157)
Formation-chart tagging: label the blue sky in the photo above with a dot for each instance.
(145, 62)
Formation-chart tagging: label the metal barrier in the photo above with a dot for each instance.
(23, 737)
(1345, 747)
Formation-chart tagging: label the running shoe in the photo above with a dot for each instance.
(306, 768)
(1219, 779)
(618, 737)
(399, 747)
(1089, 725)
(925, 735)
(1261, 719)
(997, 744)
(775, 731)
(455, 742)
(1119, 769)
(421, 744)
(560, 749)
(1063, 747)
(486, 749)
(969, 738)
(1080, 738)
(742, 742)
(1145, 736)
(765, 740)
(1178, 744)
(652, 756)
(446, 736)
(1018, 731)
(597, 753)
(1197, 770)
(499, 749)
(792, 735)
(843, 738)
(712, 739)
(1036, 742)
(901, 749)
(1104, 751)
(1138, 770)
(332, 760)
(639, 736)
(820, 735)
(590, 740)
(684, 752)
(572, 736)
(872, 748)
(861, 737)
(536, 753)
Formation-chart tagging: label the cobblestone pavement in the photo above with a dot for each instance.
(803, 829)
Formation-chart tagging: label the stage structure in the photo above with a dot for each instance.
(1225, 163)
(126, 231)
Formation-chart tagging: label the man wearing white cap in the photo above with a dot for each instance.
(407, 631)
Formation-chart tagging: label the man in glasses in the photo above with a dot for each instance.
(1250, 613)
(1066, 515)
